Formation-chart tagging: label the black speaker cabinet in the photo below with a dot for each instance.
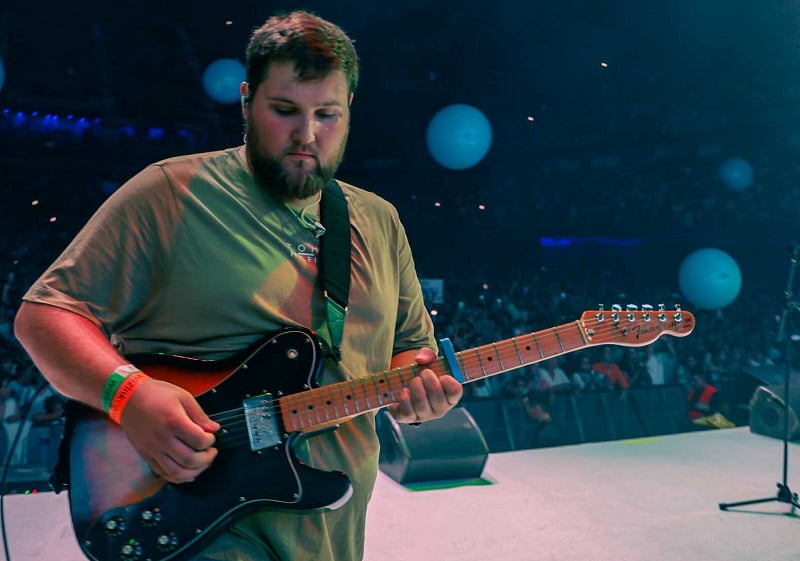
(768, 413)
(451, 447)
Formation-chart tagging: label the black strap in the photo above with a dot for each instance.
(335, 265)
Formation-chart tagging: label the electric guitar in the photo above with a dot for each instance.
(266, 399)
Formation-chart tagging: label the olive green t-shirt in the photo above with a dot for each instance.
(192, 257)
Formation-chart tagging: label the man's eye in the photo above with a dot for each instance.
(328, 114)
(284, 110)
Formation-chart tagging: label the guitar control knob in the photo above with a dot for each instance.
(131, 551)
(115, 525)
(167, 542)
(150, 516)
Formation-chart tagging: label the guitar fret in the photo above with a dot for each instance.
(464, 371)
(550, 343)
(318, 409)
(364, 396)
(359, 398)
(377, 390)
(499, 358)
(516, 348)
(314, 409)
(573, 336)
(538, 346)
(560, 343)
(336, 413)
(398, 376)
(584, 340)
(347, 397)
(301, 409)
(480, 362)
(290, 412)
(326, 407)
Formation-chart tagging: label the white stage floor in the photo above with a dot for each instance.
(653, 499)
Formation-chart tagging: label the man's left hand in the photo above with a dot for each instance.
(427, 396)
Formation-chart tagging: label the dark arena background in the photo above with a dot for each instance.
(591, 154)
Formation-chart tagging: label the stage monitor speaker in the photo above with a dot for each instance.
(451, 447)
(767, 412)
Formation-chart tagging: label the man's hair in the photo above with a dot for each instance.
(316, 47)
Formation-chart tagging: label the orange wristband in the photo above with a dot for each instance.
(124, 393)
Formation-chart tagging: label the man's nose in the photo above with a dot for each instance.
(305, 132)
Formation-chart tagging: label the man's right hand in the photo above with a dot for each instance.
(169, 430)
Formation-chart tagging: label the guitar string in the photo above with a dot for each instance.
(234, 422)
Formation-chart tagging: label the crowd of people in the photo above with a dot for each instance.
(725, 350)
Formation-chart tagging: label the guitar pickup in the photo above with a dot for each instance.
(262, 425)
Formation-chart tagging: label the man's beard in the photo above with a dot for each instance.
(273, 176)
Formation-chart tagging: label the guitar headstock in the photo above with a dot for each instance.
(634, 327)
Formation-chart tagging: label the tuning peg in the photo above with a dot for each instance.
(646, 308)
(631, 307)
(678, 315)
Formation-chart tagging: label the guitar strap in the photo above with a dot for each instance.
(334, 268)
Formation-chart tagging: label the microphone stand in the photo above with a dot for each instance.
(785, 494)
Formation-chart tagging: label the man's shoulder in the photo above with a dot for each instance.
(363, 200)
(358, 193)
(192, 161)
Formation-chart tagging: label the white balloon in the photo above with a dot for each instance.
(459, 136)
(222, 79)
(737, 173)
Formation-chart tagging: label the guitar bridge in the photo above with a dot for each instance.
(262, 426)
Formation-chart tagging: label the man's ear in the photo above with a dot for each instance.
(350, 101)
(244, 92)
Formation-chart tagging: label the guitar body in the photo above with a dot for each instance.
(121, 511)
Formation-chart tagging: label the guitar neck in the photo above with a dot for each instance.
(328, 404)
